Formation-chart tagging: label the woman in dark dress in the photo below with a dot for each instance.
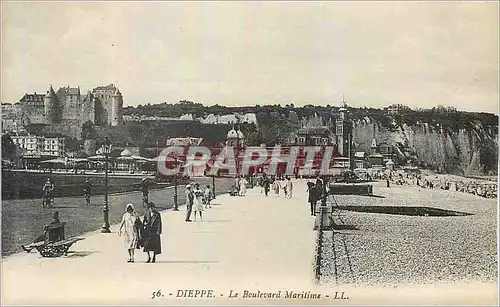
(313, 197)
(152, 232)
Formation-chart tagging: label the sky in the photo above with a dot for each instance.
(422, 54)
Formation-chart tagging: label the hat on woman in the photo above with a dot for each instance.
(130, 206)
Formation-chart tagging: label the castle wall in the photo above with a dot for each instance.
(65, 127)
(100, 113)
(87, 112)
(71, 106)
(67, 109)
(116, 110)
(104, 95)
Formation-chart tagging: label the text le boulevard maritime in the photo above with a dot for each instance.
(246, 294)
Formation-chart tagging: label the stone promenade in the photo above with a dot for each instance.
(242, 243)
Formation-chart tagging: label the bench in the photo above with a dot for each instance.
(55, 244)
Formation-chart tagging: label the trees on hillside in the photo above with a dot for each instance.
(8, 147)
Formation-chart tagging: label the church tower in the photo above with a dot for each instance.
(116, 109)
(50, 106)
(344, 132)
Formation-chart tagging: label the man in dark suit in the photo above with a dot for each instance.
(265, 183)
(189, 202)
(151, 232)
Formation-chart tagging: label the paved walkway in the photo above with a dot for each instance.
(252, 242)
(23, 219)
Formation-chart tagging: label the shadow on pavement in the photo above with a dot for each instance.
(80, 254)
(344, 227)
(375, 196)
(218, 221)
(403, 210)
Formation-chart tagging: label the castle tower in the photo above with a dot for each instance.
(50, 106)
(116, 109)
(344, 133)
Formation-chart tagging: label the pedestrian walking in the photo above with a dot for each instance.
(261, 183)
(207, 197)
(43, 236)
(237, 185)
(152, 231)
(288, 187)
(198, 201)
(312, 189)
(189, 202)
(243, 186)
(265, 183)
(87, 187)
(145, 192)
(276, 187)
(130, 230)
(47, 189)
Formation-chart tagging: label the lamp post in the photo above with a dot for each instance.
(157, 170)
(176, 208)
(213, 186)
(106, 149)
(324, 198)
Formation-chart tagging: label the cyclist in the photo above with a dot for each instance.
(87, 187)
(145, 192)
(47, 189)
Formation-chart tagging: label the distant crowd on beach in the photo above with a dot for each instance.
(483, 188)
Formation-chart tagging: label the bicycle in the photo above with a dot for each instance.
(87, 199)
(47, 201)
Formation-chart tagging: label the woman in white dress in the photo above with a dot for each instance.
(198, 201)
(276, 187)
(130, 231)
(243, 186)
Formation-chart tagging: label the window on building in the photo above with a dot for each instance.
(340, 130)
(301, 140)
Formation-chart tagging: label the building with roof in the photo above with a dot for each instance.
(235, 138)
(13, 118)
(69, 108)
(337, 134)
(184, 141)
(38, 145)
(314, 136)
(361, 160)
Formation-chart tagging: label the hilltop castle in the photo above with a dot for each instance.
(102, 106)
(68, 109)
